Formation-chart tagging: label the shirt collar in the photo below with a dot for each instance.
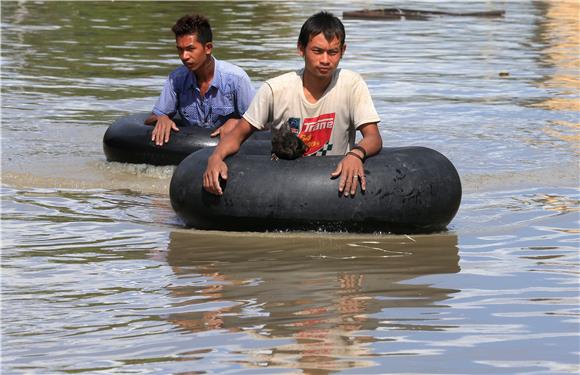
(217, 77)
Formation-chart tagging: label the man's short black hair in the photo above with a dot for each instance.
(325, 23)
(193, 24)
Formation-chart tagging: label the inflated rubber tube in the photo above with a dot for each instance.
(409, 190)
(128, 140)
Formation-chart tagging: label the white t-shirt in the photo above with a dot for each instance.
(328, 126)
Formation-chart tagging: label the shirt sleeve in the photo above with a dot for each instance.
(244, 94)
(258, 113)
(167, 101)
(362, 108)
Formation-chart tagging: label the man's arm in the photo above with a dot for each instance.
(227, 127)
(351, 168)
(164, 109)
(151, 119)
(228, 145)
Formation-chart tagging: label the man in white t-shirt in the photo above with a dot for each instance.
(323, 105)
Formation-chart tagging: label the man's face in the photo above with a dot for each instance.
(191, 52)
(321, 57)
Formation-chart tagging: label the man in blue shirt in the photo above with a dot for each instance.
(204, 91)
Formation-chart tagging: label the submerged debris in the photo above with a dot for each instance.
(413, 14)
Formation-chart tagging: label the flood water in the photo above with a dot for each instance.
(100, 276)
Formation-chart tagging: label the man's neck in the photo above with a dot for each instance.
(204, 74)
(314, 86)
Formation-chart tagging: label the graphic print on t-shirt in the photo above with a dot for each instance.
(315, 133)
(294, 124)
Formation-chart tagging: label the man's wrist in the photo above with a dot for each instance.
(356, 155)
(361, 151)
(215, 158)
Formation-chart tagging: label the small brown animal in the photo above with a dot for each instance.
(286, 144)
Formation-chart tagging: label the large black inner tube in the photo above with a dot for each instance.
(409, 190)
(128, 140)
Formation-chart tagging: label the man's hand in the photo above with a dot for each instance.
(228, 145)
(216, 169)
(351, 171)
(227, 127)
(160, 134)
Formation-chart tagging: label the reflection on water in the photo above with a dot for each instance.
(322, 293)
(560, 31)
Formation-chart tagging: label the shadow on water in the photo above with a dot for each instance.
(319, 300)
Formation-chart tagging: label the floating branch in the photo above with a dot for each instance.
(412, 14)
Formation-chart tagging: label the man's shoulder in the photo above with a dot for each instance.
(179, 73)
(284, 80)
(348, 76)
(180, 78)
(228, 69)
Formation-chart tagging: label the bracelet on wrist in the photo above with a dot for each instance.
(356, 156)
(361, 149)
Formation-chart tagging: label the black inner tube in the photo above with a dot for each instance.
(128, 140)
(409, 190)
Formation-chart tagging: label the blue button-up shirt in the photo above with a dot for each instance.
(228, 96)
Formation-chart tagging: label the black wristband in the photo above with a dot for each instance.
(356, 156)
(361, 148)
